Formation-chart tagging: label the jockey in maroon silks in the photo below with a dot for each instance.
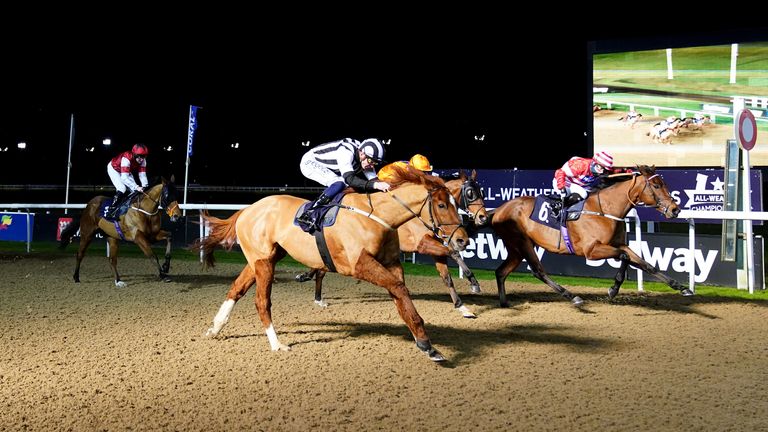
(579, 176)
(121, 169)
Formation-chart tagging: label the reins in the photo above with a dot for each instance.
(632, 203)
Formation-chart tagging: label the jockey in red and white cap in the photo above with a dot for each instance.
(121, 169)
(579, 176)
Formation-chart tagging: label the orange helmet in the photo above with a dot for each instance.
(420, 162)
(140, 150)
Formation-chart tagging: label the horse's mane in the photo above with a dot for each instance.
(408, 174)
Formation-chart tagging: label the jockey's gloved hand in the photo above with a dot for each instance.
(562, 193)
(139, 189)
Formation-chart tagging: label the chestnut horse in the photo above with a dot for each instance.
(141, 225)
(416, 237)
(362, 243)
(598, 234)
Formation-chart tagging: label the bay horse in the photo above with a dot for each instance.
(598, 234)
(141, 224)
(362, 243)
(415, 236)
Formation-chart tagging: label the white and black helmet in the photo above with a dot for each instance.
(373, 149)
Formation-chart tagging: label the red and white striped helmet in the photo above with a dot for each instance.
(604, 159)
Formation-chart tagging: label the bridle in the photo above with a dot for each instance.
(636, 202)
(436, 224)
(159, 204)
(470, 193)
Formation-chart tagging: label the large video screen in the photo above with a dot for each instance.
(674, 107)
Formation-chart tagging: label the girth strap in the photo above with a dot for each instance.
(322, 247)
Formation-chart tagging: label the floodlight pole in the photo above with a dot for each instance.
(69, 157)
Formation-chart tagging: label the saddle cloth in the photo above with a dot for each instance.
(547, 208)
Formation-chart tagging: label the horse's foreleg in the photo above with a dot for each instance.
(306, 276)
(264, 270)
(166, 267)
(538, 270)
(319, 275)
(146, 246)
(113, 247)
(441, 263)
(621, 274)
(640, 263)
(474, 285)
(368, 269)
(236, 291)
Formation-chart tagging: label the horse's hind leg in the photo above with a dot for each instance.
(264, 270)
(441, 263)
(319, 275)
(538, 270)
(86, 237)
(238, 289)
(508, 266)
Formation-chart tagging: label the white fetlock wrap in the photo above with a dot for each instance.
(221, 318)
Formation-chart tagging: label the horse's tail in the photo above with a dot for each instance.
(222, 234)
(68, 233)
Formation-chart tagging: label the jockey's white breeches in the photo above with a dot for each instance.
(318, 172)
(572, 188)
(115, 177)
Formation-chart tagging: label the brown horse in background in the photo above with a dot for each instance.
(598, 234)
(141, 224)
(362, 243)
(416, 236)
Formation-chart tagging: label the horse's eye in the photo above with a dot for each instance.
(441, 205)
(471, 195)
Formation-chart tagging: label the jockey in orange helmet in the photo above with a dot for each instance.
(418, 161)
(121, 169)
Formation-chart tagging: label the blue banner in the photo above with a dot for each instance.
(694, 189)
(192, 127)
(13, 226)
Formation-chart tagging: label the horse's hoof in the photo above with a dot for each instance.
(281, 347)
(120, 284)
(211, 333)
(504, 304)
(303, 277)
(686, 292)
(166, 279)
(321, 303)
(465, 312)
(577, 301)
(612, 293)
(435, 355)
(475, 289)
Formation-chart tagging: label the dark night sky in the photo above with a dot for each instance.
(430, 93)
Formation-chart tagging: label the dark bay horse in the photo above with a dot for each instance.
(362, 244)
(141, 225)
(415, 236)
(599, 233)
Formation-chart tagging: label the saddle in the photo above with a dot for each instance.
(124, 205)
(323, 215)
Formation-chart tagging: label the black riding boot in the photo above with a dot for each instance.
(306, 217)
(110, 214)
(571, 200)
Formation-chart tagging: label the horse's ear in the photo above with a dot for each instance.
(162, 179)
(462, 175)
(474, 174)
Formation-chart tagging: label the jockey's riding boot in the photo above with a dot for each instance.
(307, 217)
(110, 214)
(571, 200)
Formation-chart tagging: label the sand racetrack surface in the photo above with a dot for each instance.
(89, 356)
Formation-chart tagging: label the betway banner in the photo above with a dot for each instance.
(668, 252)
(696, 189)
